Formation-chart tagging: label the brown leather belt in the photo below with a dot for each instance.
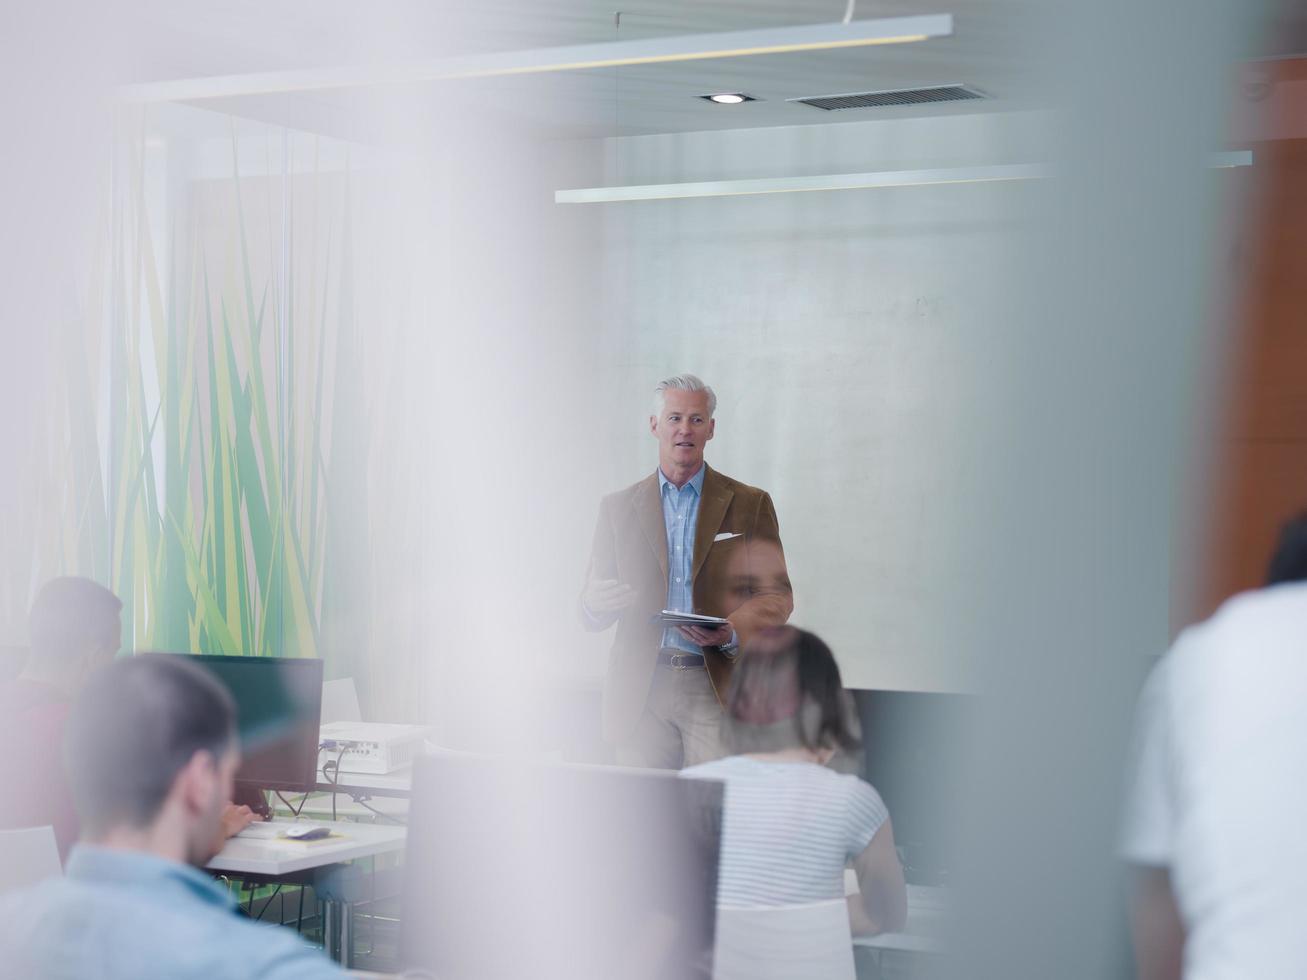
(679, 659)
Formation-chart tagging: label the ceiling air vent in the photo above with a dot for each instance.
(902, 96)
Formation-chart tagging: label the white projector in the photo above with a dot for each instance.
(371, 747)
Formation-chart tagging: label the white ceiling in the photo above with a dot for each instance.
(191, 38)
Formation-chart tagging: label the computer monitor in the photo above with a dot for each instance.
(278, 704)
(914, 748)
(559, 872)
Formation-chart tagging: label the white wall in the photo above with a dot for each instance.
(845, 335)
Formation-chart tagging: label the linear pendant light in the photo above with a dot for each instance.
(578, 57)
(778, 185)
(837, 182)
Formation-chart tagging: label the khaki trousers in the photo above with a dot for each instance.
(681, 723)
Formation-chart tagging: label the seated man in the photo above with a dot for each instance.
(151, 751)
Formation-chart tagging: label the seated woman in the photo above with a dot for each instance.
(790, 826)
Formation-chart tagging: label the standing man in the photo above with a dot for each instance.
(677, 540)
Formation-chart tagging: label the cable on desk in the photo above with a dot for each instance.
(334, 778)
(294, 810)
(384, 816)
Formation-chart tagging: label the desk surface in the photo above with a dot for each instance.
(243, 855)
(924, 931)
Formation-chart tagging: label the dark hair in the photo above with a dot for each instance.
(1289, 561)
(133, 728)
(787, 674)
(72, 617)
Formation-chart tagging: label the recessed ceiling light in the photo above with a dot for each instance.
(729, 98)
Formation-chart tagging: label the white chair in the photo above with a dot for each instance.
(788, 942)
(27, 856)
(340, 701)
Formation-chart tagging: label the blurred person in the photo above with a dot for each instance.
(759, 569)
(75, 627)
(152, 753)
(790, 825)
(1289, 559)
(1213, 805)
(668, 542)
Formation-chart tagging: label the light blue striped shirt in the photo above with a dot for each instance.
(788, 830)
(681, 519)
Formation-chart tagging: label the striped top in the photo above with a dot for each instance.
(788, 830)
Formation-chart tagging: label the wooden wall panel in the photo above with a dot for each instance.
(1258, 454)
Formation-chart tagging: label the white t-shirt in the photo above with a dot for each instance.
(1218, 792)
(788, 830)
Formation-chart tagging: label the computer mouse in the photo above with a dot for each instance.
(307, 832)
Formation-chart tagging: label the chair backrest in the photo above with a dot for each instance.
(27, 856)
(786, 942)
(340, 701)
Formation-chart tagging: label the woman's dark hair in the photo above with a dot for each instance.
(1289, 562)
(787, 681)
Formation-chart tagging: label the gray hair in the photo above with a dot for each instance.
(682, 382)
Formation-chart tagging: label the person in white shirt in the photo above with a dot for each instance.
(1217, 795)
(789, 824)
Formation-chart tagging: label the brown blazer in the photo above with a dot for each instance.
(630, 545)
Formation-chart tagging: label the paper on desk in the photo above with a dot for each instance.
(331, 838)
(670, 617)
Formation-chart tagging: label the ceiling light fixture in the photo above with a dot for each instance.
(838, 182)
(729, 98)
(578, 57)
(778, 185)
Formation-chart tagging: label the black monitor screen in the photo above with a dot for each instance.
(914, 747)
(602, 872)
(278, 706)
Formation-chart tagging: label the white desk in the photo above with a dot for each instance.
(924, 930)
(276, 858)
(253, 856)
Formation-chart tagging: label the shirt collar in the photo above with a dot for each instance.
(137, 869)
(696, 481)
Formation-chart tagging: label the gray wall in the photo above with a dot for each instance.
(848, 336)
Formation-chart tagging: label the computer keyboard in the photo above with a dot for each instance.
(927, 899)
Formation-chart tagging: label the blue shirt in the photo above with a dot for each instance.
(681, 518)
(120, 914)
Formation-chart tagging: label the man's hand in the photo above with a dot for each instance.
(716, 637)
(235, 819)
(604, 596)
